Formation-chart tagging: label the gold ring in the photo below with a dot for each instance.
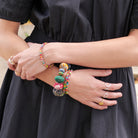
(101, 103)
(10, 60)
(107, 86)
(17, 73)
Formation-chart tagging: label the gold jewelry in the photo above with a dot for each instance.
(101, 103)
(107, 86)
(17, 73)
(10, 60)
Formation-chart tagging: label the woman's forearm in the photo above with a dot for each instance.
(48, 75)
(14, 45)
(11, 44)
(113, 53)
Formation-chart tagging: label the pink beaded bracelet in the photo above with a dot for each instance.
(42, 58)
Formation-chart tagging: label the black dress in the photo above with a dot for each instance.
(28, 109)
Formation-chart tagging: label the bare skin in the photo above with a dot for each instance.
(90, 94)
(112, 53)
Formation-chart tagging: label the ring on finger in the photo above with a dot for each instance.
(105, 95)
(17, 73)
(107, 86)
(101, 103)
(11, 61)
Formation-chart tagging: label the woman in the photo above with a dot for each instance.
(28, 109)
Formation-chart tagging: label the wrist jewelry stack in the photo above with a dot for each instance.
(66, 83)
(59, 89)
(42, 58)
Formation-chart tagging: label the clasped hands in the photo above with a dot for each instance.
(26, 64)
(83, 85)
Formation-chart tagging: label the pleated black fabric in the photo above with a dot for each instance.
(28, 109)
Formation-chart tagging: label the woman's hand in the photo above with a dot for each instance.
(28, 62)
(88, 90)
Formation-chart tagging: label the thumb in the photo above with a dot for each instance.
(101, 73)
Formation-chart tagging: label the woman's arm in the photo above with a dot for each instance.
(11, 44)
(90, 93)
(112, 53)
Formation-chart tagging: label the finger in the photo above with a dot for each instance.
(105, 102)
(111, 86)
(17, 73)
(30, 77)
(16, 59)
(18, 70)
(96, 106)
(111, 95)
(101, 73)
(23, 76)
(11, 67)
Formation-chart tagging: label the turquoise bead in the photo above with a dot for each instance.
(59, 79)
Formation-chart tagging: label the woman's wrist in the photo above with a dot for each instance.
(55, 53)
(48, 75)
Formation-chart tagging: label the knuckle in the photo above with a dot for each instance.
(112, 87)
(96, 86)
(20, 64)
(24, 69)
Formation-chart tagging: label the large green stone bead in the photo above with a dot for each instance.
(59, 79)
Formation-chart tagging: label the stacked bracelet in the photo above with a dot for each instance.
(42, 58)
(58, 86)
(66, 83)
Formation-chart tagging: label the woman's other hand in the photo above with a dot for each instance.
(28, 62)
(88, 90)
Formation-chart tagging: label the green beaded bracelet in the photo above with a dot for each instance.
(58, 86)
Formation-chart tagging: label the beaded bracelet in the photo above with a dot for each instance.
(58, 86)
(42, 58)
(66, 83)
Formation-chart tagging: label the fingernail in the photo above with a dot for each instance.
(108, 71)
(115, 102)
(121, 84)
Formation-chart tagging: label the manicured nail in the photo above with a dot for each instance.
(108, 71)
(121, 94)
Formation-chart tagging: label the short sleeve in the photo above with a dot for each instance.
(134, 15)
(16, 10)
